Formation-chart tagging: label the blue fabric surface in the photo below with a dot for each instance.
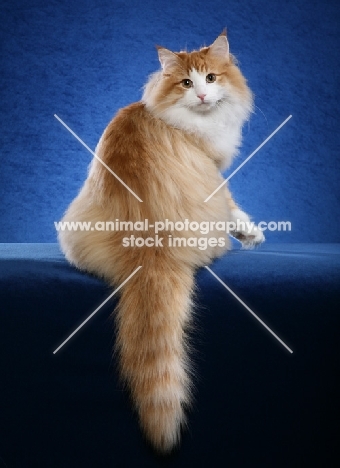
(256, 404)
(83, 60)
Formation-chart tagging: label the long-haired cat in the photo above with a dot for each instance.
(169, 149)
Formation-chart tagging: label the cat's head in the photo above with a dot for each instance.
(201, 82)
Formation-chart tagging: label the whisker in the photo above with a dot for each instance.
(264, 115)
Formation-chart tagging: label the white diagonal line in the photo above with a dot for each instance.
(247, 159)
(94, 154)
(94, 312)
(249, 309)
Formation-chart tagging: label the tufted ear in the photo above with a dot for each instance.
(220, 48)
(167, 58)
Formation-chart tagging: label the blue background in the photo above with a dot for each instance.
(83, 60)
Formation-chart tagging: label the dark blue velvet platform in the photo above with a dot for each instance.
(256, 404)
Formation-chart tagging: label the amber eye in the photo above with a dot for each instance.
(186, 83)
(210, 78)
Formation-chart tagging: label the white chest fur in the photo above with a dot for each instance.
(221, 130)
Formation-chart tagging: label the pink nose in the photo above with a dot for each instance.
(201, 96)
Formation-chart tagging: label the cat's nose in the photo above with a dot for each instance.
(201, 96)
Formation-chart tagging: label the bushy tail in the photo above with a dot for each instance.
(152, 319)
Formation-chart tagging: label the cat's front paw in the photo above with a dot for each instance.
(249, 240)
(245, 230)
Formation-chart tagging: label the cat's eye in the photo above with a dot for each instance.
(186, 83)
(210, 78)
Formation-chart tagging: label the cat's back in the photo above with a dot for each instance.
(152, 157)
(129, 117)
(137, 144)
(132, 125)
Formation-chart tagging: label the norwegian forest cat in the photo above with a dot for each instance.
(169, 150)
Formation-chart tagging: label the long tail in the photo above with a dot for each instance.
(152, 319)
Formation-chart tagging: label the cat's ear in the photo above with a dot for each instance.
(167, 58)
(220, 48)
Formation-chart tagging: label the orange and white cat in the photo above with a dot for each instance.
(169, 150)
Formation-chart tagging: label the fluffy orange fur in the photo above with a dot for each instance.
(173, 169)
